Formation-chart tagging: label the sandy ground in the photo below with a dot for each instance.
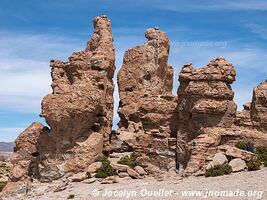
(253, 184)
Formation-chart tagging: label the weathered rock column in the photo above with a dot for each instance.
(80, 109)
(147, 107)
(259, 107)
(205, 100)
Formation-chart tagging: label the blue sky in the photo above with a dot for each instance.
(33, 32)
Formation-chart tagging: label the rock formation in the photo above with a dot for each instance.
(207, 117)
(79, 111)
(165, 132)
(259, 107)
(205, 100)
(205, 97)
(147, 107)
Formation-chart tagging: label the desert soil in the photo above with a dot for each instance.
(252, 183)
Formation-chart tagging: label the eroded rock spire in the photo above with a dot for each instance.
(79, 111)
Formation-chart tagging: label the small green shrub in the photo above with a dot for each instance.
(254, 164)
(2, 185)
(261, 152)
(101, 174)
(106, 169)
(128, 160)
(245, 145)
(4, 168)
(218, 170)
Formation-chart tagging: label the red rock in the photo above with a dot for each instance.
(79, 111)
(147, 107)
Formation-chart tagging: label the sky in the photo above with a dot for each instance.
(33, 32)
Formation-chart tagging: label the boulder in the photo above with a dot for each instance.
(218, 159)
(237, 164)
(79, 177)
(237, 153)
(133, 173)
(120, 167)
(123, 174)
(94, 167)
(140, 170)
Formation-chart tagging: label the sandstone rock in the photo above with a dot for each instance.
(259, 106)
(79, 111)
(94, 167)
(243, 118)
(17, 189)
(153, 170)
(237, 153)
(17, 173)
(79, 177)
(219, 159)
(205, 97)
(237, 164)
(167, 132)
(147, 107)
(205, 102)
(25, 144)
(198, 151)
(109, 180)
(26, 151)
(123, 174)
(133, 173)
(86, 151)
(140, 170)
(120, 167)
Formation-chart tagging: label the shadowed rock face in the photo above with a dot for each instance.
(147, 107)
(80, 109)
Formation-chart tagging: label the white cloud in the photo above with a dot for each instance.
(25, 72)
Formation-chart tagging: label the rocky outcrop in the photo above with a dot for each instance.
(243, 118)
(25, 151)
(147, 107)
(205, 97)
(259, 107)
(205, 100)
(79, 111)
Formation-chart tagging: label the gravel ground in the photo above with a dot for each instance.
(253, 184)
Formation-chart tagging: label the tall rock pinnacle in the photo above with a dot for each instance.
(80, 109)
